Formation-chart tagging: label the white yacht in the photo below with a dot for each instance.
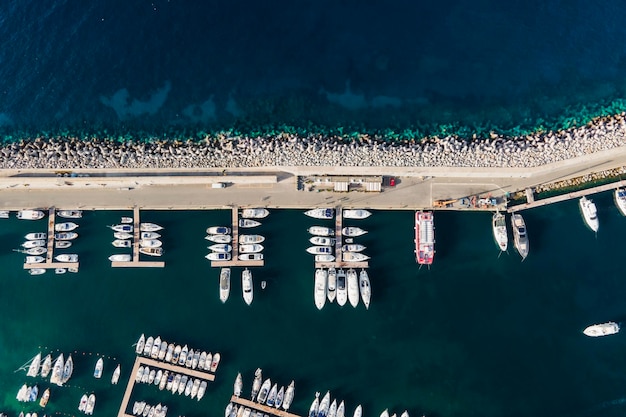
(354, 257)
(46, 367)
(315, 406)
(201, 390)
(121, 243)
(97, 372)
(147, 349)
(280, 397)
(342, 288)
(322, 241)
(353, 287)
(125, 257)
(500, 234)
(218, 230)
(353, 231)
(224, 284)
(122, 235)
(289, 396)
(321, 277)
(156, 345)
(324, 258)
(620, 200)
(30, 214)
(250, 257)
(36, 236)
(34, 259)
(353, 247)
(127, 220)
(68, 369)
(356, 214)
(67, 257)
(324, 405)
(220, 248)
(116, 375)
(151, 251)
(247, 239)
(70, 214)
(271, 397)
(150, 243)
(91, 403)
(65, 236)
(141, 343)
(364, 288)
(603, 329)
(341, 409)
(238, 385)
(149, 227)
(256, 384)
(358, 411)
(83, 402)
(219, 238)
(247, 286)
(254, 213)
(321, 213)
(4, 214)
(320, 250)
(38, 250)
(122, 228)
(520, 237)
(37, 271)
(65, 227)
(33, 368)
(57, 371)
(590, 213)
(149, 235)
(215, 256)
(265, 390)
(248, 223)
(332, 284)
(33, 243)
(253, 248)
(62, 244)
(321, 231)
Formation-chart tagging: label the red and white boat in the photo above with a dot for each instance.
(424, 237)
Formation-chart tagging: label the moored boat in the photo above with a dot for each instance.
(332, 412)
(34, 259)
(120, 257)
(97, 372)
(353, 247)
(355, 214)
(220, 248)
(354, 257)
(254, 213)
(170, 352)
(520, 237)
(44, 398)
(353, 287)
(4, 214)
(358, 411)
(218, 230)
(219, 238)
(62, 244)
(60, 271)
(147, 349)
(30, 214)
(156, 346)
(39, 250)
(424, 237)
(322, 241)
(321, 231)
(248, 223)
(123, 228)
(215, 256)
(33, 244)
(321, 213)
(238, 385)
(620, 200)
(121, 243)
(183, 355)
(150, 243)
(224, 284)
(83, 402)
(321, 276)
(590, 213)
(46, 367)
(215, 362)
(65, 227)
(289, 394)
(91, 403)
(353, 231)
(332, 284)
(150, 227)
(364, 288)
(320, 250)
(324, 258)
(37, 271)
(271, 397)
(324, 405)
(36, 236)
(341, 409)
(33, 368)
(280, 397)
(342, 289)
(253, 248)
(116, 375)
(604, 329)
(126, 220)
(122, 235)
(250, 257)
(256, 384)
(67, 257)
(57, 371)
(149, 235)
(315, 406)
(247, 286)
(201, 390)
(500, 235)
(264, 392)
(68, 369)
(151, 251)
(247, 239)
(70, 214)
(65, 236)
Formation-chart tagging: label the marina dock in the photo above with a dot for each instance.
(135, 262)
(273, 411)
(532, 202)
(235, 261)
(142, 361)
(338, 262)
(50, 262)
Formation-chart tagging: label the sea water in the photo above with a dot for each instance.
(479, 333)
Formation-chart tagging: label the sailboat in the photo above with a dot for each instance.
(47, 366)
(315, 406)
(256, 384)
(57, 371)
(499, 231)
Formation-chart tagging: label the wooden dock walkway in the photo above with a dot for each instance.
(261, 407)
(564, 197)
(135, 262)
(143, 361)
(49, 263)
(338, 262)
(235, 261)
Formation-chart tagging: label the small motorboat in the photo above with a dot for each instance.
(60, 271)
(120, 257)
(126, 220)
(66, 257)
(33, 243)
(34, 259)
(151, 251)
(121, 243)
(254, 213)
(65, 236)
(218, 230)
(150, 243)
(219, 238)
(253, 248)
(149, 235)
(150, 227)
(324, 258)
(216, 256)
(353, 231)
(70, 214)
(220, 248)
(30, 214)
(62, 244)
(124, 228)
(122, 235)
(356, 214)
(248, 223)
(65, 227)
(36, 236)
(37, 271)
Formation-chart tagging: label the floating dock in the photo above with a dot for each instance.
(50, 262)
(142, 361)
(235, 261)
(339, 262)
(135, 262)
(273, 411)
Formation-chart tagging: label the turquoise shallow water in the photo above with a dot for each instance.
(477, 334)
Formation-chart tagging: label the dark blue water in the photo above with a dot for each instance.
(424, 66)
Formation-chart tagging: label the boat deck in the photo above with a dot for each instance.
(261, 407)
(338, 262)
(135, 262)
(143, 361)
(235, 261)
(50, 263)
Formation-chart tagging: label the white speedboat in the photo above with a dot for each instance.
(36, 236)
(321, 213)
(126, 220)
(218, 230)
(4, 214)
(34, 259)
(123, 228)
(321, 277)
(183, 355)
(188, 387)
(215, 362)
(195, 388)
(219, 238)
(67, 257)
(271, 397)
(37, 271)
(150, 227)
(603, 329)
(332, 284)
(320, 250)
(256, 384)
(39, 250)
(70, 214)
(46, 367)
(60, 271)
(176, 356)
(62, 244)
(65, 236)
(265, 390)
(356, 214)
(353, 247)
(520, 237)
(322, 241)
(156, 345)
(30, 214)
(289, 396)
(207, 361)
(251, 257)
(33, 368)
(33, 243)
(342, 288)
(65, 227)
(201, 390)
(253, 248)
(97, 372)
(248, 223)
(121, 243)
(364, 288)
(150, 243)
(341, 409)
(315, 406)
(83, 402)
(147, 349)
(353, 287)
(57, 371)
(141, 343)
(620, 200)
(500, 235)
(247, 286)
(116, 375)
(321, 231)
(224, 284)
(354, 257)
(353, 231)
(324, 405)
(404, 414)
(358, 411)
(248, 239)
(120, 257)
(68, 369)
(214, 256)
(280, 397)
(254, 213)
(170, 352)
(324, 258)
(238, 385)
(151, 251)
(149, 235)
(44, 398)
(590, 213)
(91, 403)
(122, 235)
(220, 248)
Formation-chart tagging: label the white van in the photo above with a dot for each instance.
(218, 185)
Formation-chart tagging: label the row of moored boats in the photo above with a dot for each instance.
(263, 392)
(158, 349)
(149, 243)
(171, 381)
(325, 243)
(141, 408)
(331, 284)
(250, 247)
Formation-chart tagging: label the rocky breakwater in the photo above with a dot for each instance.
(228, 151)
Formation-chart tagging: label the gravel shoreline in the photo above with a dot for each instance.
(225, 151)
